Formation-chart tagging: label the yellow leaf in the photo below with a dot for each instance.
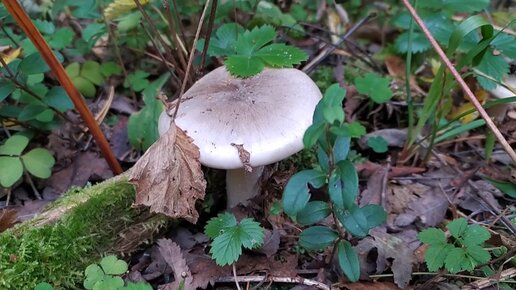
(120, 7)
(481, 96)
(9, 54)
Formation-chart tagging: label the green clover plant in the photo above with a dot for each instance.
(335, 175)
(229, 236)
(463, 251)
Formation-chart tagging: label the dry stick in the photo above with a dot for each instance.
(208, 33)
(296, 280)
(175, 36)
(461, 82)
(30, 30)
(190, 59)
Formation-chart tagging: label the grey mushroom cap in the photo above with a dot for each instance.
(267, 114)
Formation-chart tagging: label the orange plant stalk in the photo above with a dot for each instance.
(28, 27)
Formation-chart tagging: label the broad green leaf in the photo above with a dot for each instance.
(38, 162)
(84, 86)
(479, 254)
(475, 235)
(312, 134)
(33, 64)
(93, 274)
(217, 225)
(244, 66)
(333, 114)
(90, 70)
(355, 129)
(58, 99)
(334, 96)
(349, 177)
(45, 116)
(110, 68)
(375, 215)
(341, 148)
(31, 112)
(6, 88)
(435, 256)
(62, 38)
(354, 220)
(313, 212)
(281, 55)
(322, 159)
(137, 286)
(378, 144)
(11, 169)
(508, 188)
(129, 21)
(348, 260)
(457, 227)
(457, 260)
(296, 193)
(113, 266)
(375, 87)
(43, 286)
(35, 79)
(462, 6)
(432, 236)
(110, 283)
(73, 69)
(14, 145)
(317, 238)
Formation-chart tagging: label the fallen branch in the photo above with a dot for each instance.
(294, 280)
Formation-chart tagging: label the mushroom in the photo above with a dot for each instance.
(241, 124)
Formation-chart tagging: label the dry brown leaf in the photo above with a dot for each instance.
(168, 178)
(370, 286)
(244, 155)
(7, 218)
(396, 68)
(173, 255)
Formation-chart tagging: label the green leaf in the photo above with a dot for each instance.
(129, 21)
(31, 112)
(343, 185)
(226, 248)
(375, 215)
(348, 261)
(142, 127)
(45, 27)
(84, 86)
(508, 188)
(73, 69)
(33, 64)
(333, 114)
(58, 99)
(137, 286)
(475, 235)
(137, 80)
(217, 225)
(39, 162)
(458, 227)
(244, 66)
(317, 238)
(341, 148)
(354, 220)
(92, 32)
(355, 129)
(296, 193)
(313, 212)
(374, 86)
(419, 43)
(463, 6)
(435, 256)
(506, 44)
(11, 169)
(334, 96)
(43, 286)
(35, 79)
(312, 134)
(93, 274)
(109, 283)
(6, 88)
(378, 144)
(479, 254)
(223, 42)
(61, 38)
(251, 41)
(432, 236)
(113, 266)
(494, 66)
(457, 260)
(281, 55)
(14, 145)
(90, 70)
(110, 68)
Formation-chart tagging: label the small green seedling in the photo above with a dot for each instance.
(229, 236)
(463, 251)
(378, 144)
(13, 162)
(375, 87)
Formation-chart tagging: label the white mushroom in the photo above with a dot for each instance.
(267, 114)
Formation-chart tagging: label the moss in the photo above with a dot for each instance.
(58, 253)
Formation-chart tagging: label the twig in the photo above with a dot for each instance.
(180, 47)
(488, 281)
(190, 59)
(460, 81)
(236, 277)
(23, 20)
(208, 33)
(296, 280)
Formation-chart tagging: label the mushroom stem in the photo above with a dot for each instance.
(242, 185)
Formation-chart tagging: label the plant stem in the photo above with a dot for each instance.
(462, 83)
(208, 33)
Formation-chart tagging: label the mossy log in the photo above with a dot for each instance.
(73, 232)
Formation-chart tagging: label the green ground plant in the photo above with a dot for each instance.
(336, 175)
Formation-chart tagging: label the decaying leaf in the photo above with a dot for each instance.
(9, 54)
(173, 255)
(168, 177)
(244, 155)
(7, 218)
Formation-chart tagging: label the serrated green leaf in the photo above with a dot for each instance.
(435, 256)
(93, 31)
(374, 86)
(62, 38)
(419, 43)
(457, 227)
(463, 6)
(494, 66)
(313, 212)
(90, 70)
(224, 41)
(11, 169)
(14, 145)
(250, 41)
(110, 68)
(475, 235)
(244, 66)
(137, 80)
(296, 193)
(93, 274)
(217, 225)
(33, 64)
(378, 144)
(506, 44)
(6, 88)
(348, 261)
(45, 27)
(432, 236)
(251, 234)
(479, 254)
(113, 266)
(281, 55)
(38, 162)
(457, 260)
(317, 238)
(58, 99)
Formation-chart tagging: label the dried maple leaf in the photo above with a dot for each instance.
(168, 177)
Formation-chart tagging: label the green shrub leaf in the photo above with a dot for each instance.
(375, 87)
(432, 236)
(6, 88)
(33, 64)
(317, 238)
(378, 144)
(39, 162)
(313, 212)
(217, 225)
(348, 261)
(11, 169)
(296, 193)
(435, 256)
(14, 145)
(58, 99)
(458, 227)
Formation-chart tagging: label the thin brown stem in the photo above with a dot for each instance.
(462, 83)
(208, 33)
(174, 32)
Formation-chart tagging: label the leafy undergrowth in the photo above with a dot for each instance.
(400, 183)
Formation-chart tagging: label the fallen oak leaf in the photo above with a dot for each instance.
(168, 177)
